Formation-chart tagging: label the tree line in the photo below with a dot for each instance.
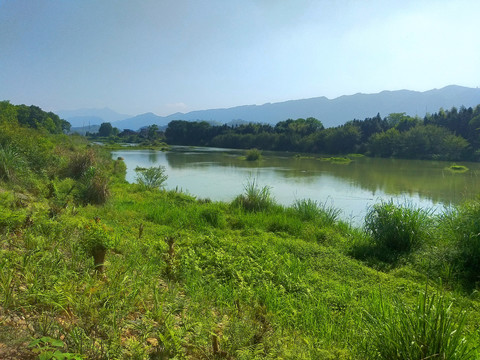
(447, 135)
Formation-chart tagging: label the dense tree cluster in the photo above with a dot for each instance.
(147, 135)
(447, 134)
(33, 117)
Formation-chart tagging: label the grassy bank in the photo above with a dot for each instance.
(190, 278)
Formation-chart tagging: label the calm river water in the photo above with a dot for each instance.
(220, 174)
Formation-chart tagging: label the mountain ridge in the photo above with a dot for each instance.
(332, 112)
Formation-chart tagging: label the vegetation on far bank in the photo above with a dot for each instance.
(445, 135)
(190, 278)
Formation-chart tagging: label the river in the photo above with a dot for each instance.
(221, 174)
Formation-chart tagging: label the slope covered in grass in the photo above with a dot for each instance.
(190, 278)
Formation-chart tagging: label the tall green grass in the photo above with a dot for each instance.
(309, 210)
(200, 279)
(429, 330)
(397, 228)
(462, 224)
(254, 198)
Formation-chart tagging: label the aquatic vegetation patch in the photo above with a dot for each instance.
(457, 169)
(253, 155)
(337, 160)
(298, 156)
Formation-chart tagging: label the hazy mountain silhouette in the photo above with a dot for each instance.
(86, 117)
(332, 112)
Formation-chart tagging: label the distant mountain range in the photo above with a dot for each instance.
(331, 112)
(88, 117)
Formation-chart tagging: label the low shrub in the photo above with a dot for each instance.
(397, 228)
(151, 178)
(429, 330)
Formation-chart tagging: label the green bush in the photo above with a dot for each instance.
(151, 178)
(397, 228)
(255, 198)
(431, 330)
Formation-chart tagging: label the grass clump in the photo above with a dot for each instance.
(397, 228)
(255, 198)
(151, 178)
(80, 163)
(462, 224)
(309, 210)
(429, 330)
(253, 155)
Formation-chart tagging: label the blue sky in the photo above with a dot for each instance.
(166, 56)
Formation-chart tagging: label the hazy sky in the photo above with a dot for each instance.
(181, 55)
